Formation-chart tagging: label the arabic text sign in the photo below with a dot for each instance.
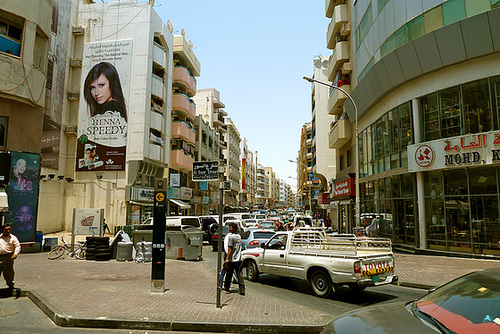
(205, 171)
(461, 151)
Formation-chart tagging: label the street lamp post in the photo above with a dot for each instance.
(356, 140)
(309, 185)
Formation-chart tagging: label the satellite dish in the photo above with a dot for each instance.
(183, 33)
(169, 26)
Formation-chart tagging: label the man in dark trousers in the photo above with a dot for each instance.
(9, 250)
(233, 259)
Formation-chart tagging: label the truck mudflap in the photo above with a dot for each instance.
(374, 281)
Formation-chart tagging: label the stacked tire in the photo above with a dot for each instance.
(98, 248)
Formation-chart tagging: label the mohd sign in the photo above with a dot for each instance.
(461, 151)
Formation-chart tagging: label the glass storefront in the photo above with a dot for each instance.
(391, 202)
(462, 210)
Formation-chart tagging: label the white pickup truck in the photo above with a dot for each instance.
(326, 261)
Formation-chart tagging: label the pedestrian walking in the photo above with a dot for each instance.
(233, 259)
(9, 250)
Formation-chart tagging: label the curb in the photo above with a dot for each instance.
(63, 320)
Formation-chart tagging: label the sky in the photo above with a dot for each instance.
(255, 53)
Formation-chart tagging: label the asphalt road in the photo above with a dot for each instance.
(300, 293)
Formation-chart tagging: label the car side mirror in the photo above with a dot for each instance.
(263, 246)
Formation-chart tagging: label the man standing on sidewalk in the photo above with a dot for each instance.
(9, 250)
(233, 259)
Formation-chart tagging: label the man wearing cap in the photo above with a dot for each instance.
(9, 250)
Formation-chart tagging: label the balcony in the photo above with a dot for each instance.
(330, 6)
(339, 18)
(157, 121)
(337, 99)
(338, 58)
(158, 54)
(157, 86)
(182, 104)
(183, 78)
(340, 134)
(155, 152)
(309, 142)
(180, 160)
(181, 129)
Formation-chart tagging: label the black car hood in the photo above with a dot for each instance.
(383, 319)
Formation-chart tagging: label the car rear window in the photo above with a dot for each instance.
(191, 221)
(263, 235)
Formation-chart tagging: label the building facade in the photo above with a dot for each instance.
(426, 80)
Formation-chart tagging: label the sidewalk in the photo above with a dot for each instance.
(114, 294)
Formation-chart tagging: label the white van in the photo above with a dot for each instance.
(240, 215)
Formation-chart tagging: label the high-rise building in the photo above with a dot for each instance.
(425, 81)
(182, 155)
(232, 156)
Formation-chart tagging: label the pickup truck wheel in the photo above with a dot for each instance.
(252, 271)
(321, 284)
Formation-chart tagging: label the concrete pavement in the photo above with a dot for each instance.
(113, 294)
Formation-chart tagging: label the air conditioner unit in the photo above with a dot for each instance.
(70, 130)
(73, 96)
(345, 30)
(76, 62)
(347, 68)
(78, 31)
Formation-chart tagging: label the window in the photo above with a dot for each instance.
(3, 132)
(364, 26)
(453, 11)
(433, 19)
(381, 4)
(474, 7)
(495, 4)
(10, 37)
(477, 113)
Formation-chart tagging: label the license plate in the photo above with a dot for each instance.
(370, 269)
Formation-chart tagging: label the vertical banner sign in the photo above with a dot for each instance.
(158, 256)
(243, 173)
(23, 195)
(104, 105)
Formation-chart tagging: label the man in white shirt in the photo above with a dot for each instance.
(9, 250)
(233, 259)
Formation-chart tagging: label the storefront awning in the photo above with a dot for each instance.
(180, 203)
(141, 203)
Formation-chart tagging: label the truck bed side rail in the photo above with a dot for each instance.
(311, 240)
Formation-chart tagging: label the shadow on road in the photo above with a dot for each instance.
(342, 294)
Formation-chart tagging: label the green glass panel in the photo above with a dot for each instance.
(402, 36)
(474, 7)
(416, 27)
(453, 11)
(495, 4)
(381, 4)
(389, 45)
(433, 19)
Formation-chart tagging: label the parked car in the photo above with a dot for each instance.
(267, 224)
(249, 223)
(254, 237)
(468, 304)
(209, 226)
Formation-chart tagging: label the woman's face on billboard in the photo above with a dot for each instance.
(100, 90)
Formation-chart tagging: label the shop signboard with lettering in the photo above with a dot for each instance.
(460, 151)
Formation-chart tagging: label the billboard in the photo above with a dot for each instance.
(22, 192)
(103, 112)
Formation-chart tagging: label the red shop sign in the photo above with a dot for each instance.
(344, 188)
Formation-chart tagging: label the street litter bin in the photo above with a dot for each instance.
(183, 242)
(124, 251)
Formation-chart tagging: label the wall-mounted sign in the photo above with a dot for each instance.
(344, 188)
(175, 180)
(460, 151)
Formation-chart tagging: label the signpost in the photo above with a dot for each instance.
(205, 171)
(158, 256)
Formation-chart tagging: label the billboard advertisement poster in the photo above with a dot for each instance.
(104, 103)
(87, 221)
(22, 192)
